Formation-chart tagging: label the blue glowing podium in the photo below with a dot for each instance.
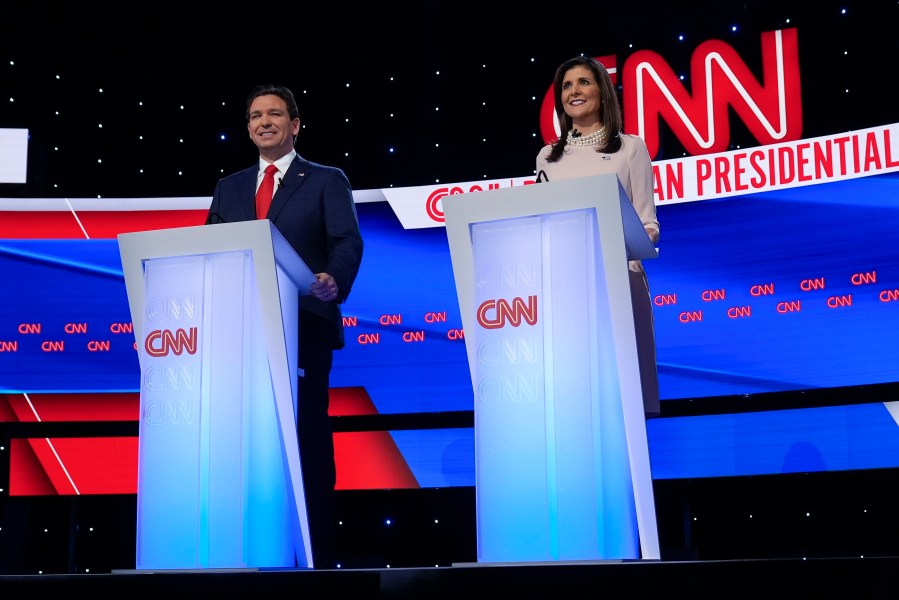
(215, 310)
(562, 468)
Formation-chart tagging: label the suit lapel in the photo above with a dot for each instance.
(290, 183)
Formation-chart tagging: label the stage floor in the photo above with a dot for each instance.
(788, 578)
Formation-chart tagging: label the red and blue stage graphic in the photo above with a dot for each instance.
(789, 288)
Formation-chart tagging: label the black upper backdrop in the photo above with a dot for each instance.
(454, 90)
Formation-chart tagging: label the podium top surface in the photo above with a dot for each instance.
(260, 237)
(602, 192)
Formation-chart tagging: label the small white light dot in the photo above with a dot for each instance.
(181, 141)
(346, 153)
(387, 521)
(390, 150)
(347, 120)
(99, 160)
(733, 28)
(182, 107)
(101, 90)
(680, 38)
(348, 85)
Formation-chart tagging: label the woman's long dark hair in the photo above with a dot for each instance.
(610, 108)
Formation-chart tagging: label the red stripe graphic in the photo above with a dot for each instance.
(108, 465)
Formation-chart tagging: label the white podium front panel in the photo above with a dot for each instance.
(212, 490)
(561, 457)
(215, 313)
(548, 415)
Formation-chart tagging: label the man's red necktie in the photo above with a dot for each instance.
(265, 192)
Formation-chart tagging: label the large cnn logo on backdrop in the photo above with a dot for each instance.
(771, 108)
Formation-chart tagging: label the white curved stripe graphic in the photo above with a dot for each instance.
(33, 409)
(62, 466)
(51, 446)
(77, 220)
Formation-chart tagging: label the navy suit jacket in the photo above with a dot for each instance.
(313, 209)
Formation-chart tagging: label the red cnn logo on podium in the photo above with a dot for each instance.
(494, 314)
(162, 342)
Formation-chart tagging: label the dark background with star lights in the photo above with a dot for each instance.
(151, 103)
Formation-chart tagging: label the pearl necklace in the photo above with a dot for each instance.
(597, 138)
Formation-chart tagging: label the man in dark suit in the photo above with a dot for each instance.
(313, 208)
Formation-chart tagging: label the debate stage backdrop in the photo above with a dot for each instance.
(775, 155)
